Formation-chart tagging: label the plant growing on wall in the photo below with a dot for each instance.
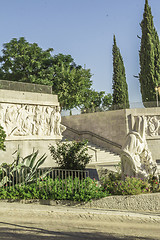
(71, 156)
(2, 139)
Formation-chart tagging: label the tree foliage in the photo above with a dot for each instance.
(71, 155)
(149, 55)
(96, 101)
(120, 87)
(70, 81)
(26, 62)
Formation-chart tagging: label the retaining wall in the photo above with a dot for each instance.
(114, 126)
(31, 122)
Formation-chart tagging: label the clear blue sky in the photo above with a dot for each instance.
(84, 29)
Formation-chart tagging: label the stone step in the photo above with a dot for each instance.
(101, 155)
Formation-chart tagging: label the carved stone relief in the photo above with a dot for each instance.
(136, 158)
(153, 125)
(28, 120)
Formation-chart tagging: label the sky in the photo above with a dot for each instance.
(84, 29)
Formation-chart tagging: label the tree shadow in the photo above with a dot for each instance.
(20, 232)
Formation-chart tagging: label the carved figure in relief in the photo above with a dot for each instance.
(22, 123)
(29, 123)
(2, 115)
(153, 126)
(37, 120)
(47, 114)
(53, 115)
(57, 121)
(136, 159)
(10, 119)
(25, 120)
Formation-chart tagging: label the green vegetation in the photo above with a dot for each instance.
(120, 87)
(96, 101)
(26, 62)
(131, 186)
(76, 189)
(24, 179)
(57, 189)
(70, 81)
(21, 170)
(149, 55)
(72, 155)
(2, 139)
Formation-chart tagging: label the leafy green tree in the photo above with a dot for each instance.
(149, 55)
(26, 62)
(120, 87)
(96, 101)
(106, 102)
(70, 82)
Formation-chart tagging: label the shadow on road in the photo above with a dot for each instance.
(10, 231)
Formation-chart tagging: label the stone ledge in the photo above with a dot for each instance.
(26, 87)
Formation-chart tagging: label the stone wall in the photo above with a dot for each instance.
(25, 87)
(31, 122)
(115, 125)
(152, 129)
(110, 125)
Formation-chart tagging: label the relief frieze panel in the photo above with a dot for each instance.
(152, 125)
(30, 120)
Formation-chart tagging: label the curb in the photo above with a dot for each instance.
(149, 203)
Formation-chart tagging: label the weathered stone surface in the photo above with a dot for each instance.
(136, 158)
(142, 203)
(137, 203)
(31, 121)
(25, 87)
(114, 126)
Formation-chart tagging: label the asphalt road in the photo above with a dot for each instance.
(33, 221)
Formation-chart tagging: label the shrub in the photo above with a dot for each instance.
(131, 186)
(57, 189)
(72, 156)
(154, 184)
(2, 139)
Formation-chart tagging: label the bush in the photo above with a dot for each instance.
(72, 156)
(2, 139)
(131, 186)
(57, 189)
(154, 184)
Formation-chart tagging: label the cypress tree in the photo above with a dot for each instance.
(149, 55)
(119, 84)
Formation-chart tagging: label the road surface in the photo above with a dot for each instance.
(42, 222)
